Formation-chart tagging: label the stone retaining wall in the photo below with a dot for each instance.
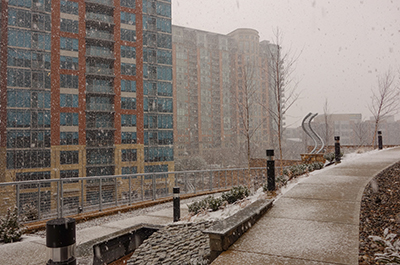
(175, 244)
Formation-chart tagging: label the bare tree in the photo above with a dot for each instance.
(282, 86)
(360, 132)
(384, 100)
(247, 99)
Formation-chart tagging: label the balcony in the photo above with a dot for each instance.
(100, 107)
(100, 125)
(93, 70)
(102, 52)
(99, 17)
(100, 35)
(100, 89)
(107, 3)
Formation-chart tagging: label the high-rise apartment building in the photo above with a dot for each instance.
(86, 88)
(209, 81)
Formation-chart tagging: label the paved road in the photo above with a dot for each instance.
(317, 221)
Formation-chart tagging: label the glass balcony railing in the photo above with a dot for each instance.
(99, 71)
(99, 51)
(100, 106)
(99, 89)
(99, 17)
(103, 2)
(97, 34)
(100, 124)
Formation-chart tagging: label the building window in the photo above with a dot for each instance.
(33, 176)
(157, 154)
(66, 174)
(163, 9)
(68, 119)
(128, 18)
(41, 60)
(19, 58)
(100, 156)
(128, 155)
(149, 55)
(40, 99)
(165, 105)
(128, 3)
(69, 25)
(128, 52)
(150, 121)
(28, 139)
(165, 122)
(164, 41)
(26, 4)
(41, 5)
(41, 41)
(19, 38)
(164, 57)
(41, 80)
(164, 73)
(128, 86)
(128, 35)
(20, 98)
(67, 62)
(69, 100)
(128, 103)
(128, 120)
(165, 137)
(69, 7)
(128, 170)
(19, 77)
(164, 25)
(149, 88)
(164, 89)
(150, 138)
(69, 44)
(18, 118)
(128, 138)
(19, 18)
(128, 69)
(69, 157)
(28, 159)
(40, 119)
(69, 138)
(69, 81)
(41, 22)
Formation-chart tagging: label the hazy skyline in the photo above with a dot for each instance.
(344, 45)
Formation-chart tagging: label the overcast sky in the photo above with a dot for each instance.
(344, 44)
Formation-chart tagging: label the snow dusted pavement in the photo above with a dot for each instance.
(316, 221)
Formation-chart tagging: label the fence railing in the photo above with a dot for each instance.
(50, 198)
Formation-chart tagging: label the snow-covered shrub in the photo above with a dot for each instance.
(30, 212)
(10, 228)
(214, 204)
(391, 253)
(235, 194)
(330, 157)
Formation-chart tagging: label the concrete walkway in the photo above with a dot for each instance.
(317, 221)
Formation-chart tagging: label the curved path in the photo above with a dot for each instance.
(317, 221)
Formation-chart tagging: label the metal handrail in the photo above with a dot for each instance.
(119, 188)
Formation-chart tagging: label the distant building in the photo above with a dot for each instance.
(207, 82)
(86, 89)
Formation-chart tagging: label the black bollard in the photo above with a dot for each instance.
(60, 241)
(337, 149)
(177, 204)
(380, 145)
(270, 170)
